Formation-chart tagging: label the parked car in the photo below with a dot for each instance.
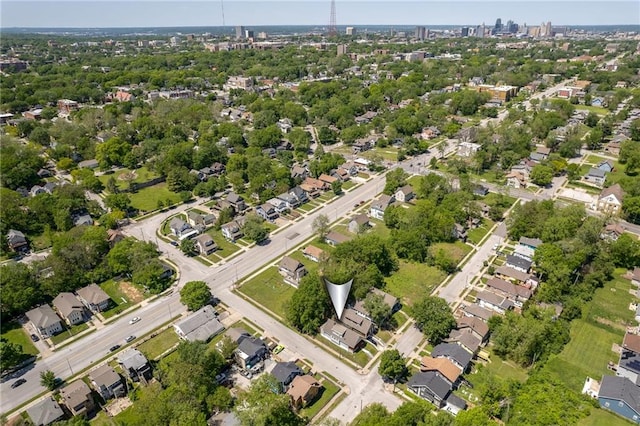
(174, 243)
(278, 349)
(114, 348)
(34, 338)
(130, 339)
(134, 320)
(18, 383)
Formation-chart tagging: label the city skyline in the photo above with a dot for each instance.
(154, 13)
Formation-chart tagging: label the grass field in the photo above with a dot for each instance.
(156, 346)
(378, 227)
(346, 185)
(269, 289)
(599, 417)
(329, 390)
(597, 110)
(413, 281)
(609, 307)
(477, 234)
(147, 199)
(457, 250)
(14, 333)
(140, 175)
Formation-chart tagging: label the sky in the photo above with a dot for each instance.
(172, 13)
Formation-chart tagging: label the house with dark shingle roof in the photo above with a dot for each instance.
(620, 395)
(334, 238)
(45, 412)
(433, 387)
(77, 397)
(285, 372)
(303, 390)
(107, 382)
(94, 298)
(69, 308)
(45, 321)
(291, 270)
(518, 263)
(341, 336)
(16, 240)
(455, 353)
(201, 325)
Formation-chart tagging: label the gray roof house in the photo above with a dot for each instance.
(430, 385)
(267, 212)
(358, 223)
(341, 336)
(357, 323)
(201, 325)
(69, 308)
(236, 201)
(94, 298)
(45, 412)
(291, 270)
(518, 263)
(205, 244)
(495, 302)
(232, 231)
(45, 321)
(379, 205)
(250, 351)
(391, 301)
(135, 364)
(596, 176)
(460, 356)
(107, 382)
(16, 240)
(621, 396)
(179, 227)
(77, 397)
(285, 372)
(334, 238)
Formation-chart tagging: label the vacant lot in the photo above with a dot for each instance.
(147, 199)
(14, 333)
(157, 345)
(269, 289)
(123, 294)
(456, 251)
(413, 281)
(124, 176)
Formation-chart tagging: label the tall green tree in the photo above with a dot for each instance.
(393, 366)
(262, 405)
(434, 318)
(195, 294)
(309, 306)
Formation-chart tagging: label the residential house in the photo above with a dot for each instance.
(328, 180)
(480, 190)
(45, 412)
(596, 176)
(36, 190)
(465, 338)
(16, 240)
(359, 223)
(114, 237)
(404, 194)
(181, 229)
(135, 365)
(516, 293)
(468, 149)
(107, 382)
(477, 326)
(77, 397)
(289, 199)
(361, 325)
(291, 270)
(379, 206)
(299, 172)
(69, 308)
(362, 145)
(610, 200)
(635, 277)
(49, 187)
(341, 336)
(494, 302)
(430, 385)
(267, 212)
(390, 301)
(629, 363)
(447, 369)
(527, 247)
(82, 219)
(459, 232)
(285, 372)
(303, 390)
(232, 231)
(516, 180)
(200, 326)
(167, 271)
(94, 298)
(250, 351)
(477, 311)
(314, 185)
(314, 253)
(516, 276)
(88, 164)
(334, 238)
(621, 396)
(350, 167)
(195, 219)
(279, 205)
(205, 244)
(455, 353)
(612, 232)
(236, 201)
(45, 320)
(606, 166)
(299, 193)
(518, 263)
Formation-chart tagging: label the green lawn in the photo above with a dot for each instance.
(477, 234)
(495, 369)
(147, 199)
(329, 391)
(609, 308)
(118, 298)
(599, 417)
(40, 242)
(156, 346)
(310, 265)
(345, 186)
(379, 228)
(68, 333)
(269, 289)
(413, 281)
(305, 208)
(457, 250)
(141, 175)
(14, 333)
(491, 199)
(597, 110)
(225, 248)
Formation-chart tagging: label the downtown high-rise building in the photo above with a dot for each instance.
(239, 32)
(420, 33)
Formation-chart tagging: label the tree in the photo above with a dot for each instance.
(262, 405)
(188, 247)
(377, 308)
(395, 179)
(254, 228)
(20, 289)
(48, 379)
(631, 209)
(372, 415)
(227, 347)
(541, 175)
(10, 354)
(309, 306)
(393, 366)
(336, 187)
(594, 139)
(434, 318)
(320, 226)
(195, 294)
(118, 201)
(625, 251)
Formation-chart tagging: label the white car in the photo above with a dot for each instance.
(134, 320)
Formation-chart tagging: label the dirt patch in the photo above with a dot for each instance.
(118, 405)
(611, 323)
(132, 293)
(128, 176)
